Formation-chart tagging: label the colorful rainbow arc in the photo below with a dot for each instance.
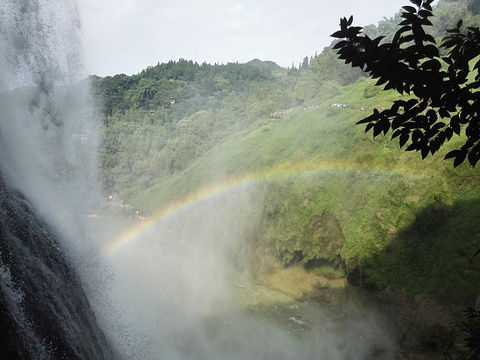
(220, 188)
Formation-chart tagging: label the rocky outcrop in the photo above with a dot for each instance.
(44, 312)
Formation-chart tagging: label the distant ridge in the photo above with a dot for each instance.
(264, 65)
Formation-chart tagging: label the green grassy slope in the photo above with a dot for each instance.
(336, 198)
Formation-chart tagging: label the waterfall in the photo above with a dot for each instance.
(48, 138)
(48, 152)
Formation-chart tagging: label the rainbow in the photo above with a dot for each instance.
(222, 188)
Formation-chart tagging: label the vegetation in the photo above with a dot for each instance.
(159, 121)
(334, 201)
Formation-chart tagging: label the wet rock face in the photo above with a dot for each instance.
(44, 312)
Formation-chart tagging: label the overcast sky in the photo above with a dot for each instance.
(126, 36)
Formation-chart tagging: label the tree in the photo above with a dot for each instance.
(444, 89)
(327, 66)
(305, 63)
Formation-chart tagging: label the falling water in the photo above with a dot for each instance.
(48, 138)
(47, 158)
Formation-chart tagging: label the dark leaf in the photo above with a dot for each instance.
(396, 133)
(425, 13)
(452, 154)
(431, 51)
(425, 150)
(459, 158)
(412, 147)
(363, 121)
(422, 106)
(404, 138)
(338, 34)
(455, 125)
(354, 30)
(431, 64)
(434, 145)
(390, 85)
(377, 129)
(386, 126)
(405, 22)
(411, 103)
(405, 39)
(403, 29)
(432, 116)
(441, 139)
(425, 22)
(417, 135)
(395, 107)
(397, 122)
(409, 9)
(443, 113)
(429, 38)
(453, 31)
(472, 157)
(437, 127)
(448, 133)
(340, 44)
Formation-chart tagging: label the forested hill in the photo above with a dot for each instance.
(159, 85)
(178, 110)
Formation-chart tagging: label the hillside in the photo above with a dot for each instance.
(336, 206)
(314, 162)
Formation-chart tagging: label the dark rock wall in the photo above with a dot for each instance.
(44, 312)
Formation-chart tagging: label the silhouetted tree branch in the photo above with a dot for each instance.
(445, 89)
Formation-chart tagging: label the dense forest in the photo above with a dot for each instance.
(336, 203)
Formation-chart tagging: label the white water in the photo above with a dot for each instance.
(44, 107)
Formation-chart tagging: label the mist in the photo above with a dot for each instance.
(182, 289)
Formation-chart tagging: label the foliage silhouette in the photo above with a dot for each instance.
(445, 89)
